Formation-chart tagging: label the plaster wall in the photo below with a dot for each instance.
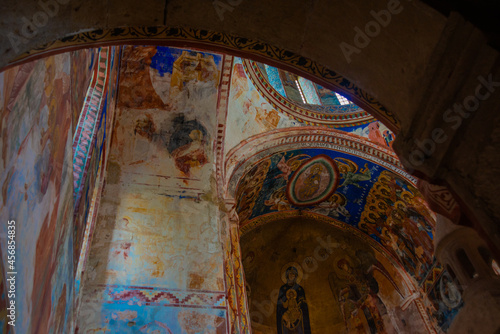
(156, 261)
(36, 178)
(418, 66)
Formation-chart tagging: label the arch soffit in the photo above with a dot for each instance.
(242, 158)
(302, 113)
(409, 286)
(218, 42)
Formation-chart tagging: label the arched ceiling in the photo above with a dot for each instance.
(333, 262)
(182, 112)
(194, 109)
(254, 107)
(370, 197)
(263, 150)
(401, 74)
(301, 100)
(249, 152)
(306, 37)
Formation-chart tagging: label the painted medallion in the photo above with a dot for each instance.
(315, 181)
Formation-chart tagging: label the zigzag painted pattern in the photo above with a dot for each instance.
(431, 279)
(153, 296)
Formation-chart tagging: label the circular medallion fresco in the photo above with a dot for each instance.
(315, 181)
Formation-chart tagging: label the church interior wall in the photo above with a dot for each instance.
(38, 190)
(156, 260)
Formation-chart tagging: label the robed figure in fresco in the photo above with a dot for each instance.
(292, 314)
(356, 289)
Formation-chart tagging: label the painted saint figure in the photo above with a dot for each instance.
(356, 290)
(192, 154)
(187, 145)
(292, 314)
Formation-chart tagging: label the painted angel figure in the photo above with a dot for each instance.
(349, 171)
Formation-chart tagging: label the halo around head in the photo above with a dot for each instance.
(300, 272)
(338, 262)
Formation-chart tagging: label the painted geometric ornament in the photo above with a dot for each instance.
(313, 182)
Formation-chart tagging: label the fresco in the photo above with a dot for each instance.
(188, 145)
(156, 262)
(375, 132)
(307, 276)
(314, 181)
(444, 298)
(273, 76)
(256, 106)
(36, 167)
(292, 313)
(154, 77)
(159, 261)
(309, 91)
(369, 197)
(397, 216)
(248, 112)
(154, 311)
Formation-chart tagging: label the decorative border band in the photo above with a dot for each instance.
(222, 42)
(243, 157)
(136, 295)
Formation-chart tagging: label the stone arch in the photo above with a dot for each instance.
(403, 285)
(247, 154)
(226, 43)
(313, 31)
(417, 66)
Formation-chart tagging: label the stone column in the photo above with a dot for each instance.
(235, 275)
(469, 261)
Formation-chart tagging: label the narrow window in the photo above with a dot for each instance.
(343, 101)
(309, 91)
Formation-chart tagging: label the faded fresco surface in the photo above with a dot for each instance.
(375, 132)
(156, 262)
(37, 190)
(248, 112)
(331, 242)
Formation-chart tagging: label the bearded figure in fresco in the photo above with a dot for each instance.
(292, 313)
(396, 214)
(357, 294)
(192, 154)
